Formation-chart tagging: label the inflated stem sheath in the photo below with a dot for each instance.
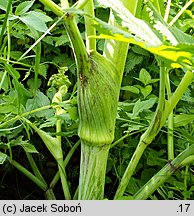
(98, 98)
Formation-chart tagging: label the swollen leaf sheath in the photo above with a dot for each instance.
(98, 98)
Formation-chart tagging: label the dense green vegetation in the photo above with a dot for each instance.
(96, 99)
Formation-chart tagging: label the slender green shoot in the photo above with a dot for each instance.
(181, 12)
(37, 64)
(18, 117)
(90, 29)
(39, 39)
(170, 121)
(35, 167)
(167, 11)
(63, 177)
(5, 23)
(146, 138)
(186, 176)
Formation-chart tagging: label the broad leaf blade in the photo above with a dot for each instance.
(23, 7)
(143, 105)
(29, 148)
(137, 27)
(183, 119)
(35, 20)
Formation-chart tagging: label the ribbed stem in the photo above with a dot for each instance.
(146, 138)
(90, 29)
(158, 179)
(34, 167)
(116, 51)
(63, 177)
(162, 113)
(170, 121)
(176, 96)
(92, 171)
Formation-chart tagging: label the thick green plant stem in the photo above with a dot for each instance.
(116, 51)
(146, 138)
(161, 115)
(167, 11)
(170, 142)
(98, 99)
(81, 56)
(182, 87)
(158, 179)
(63, 177)
(81, 4)
(93, 168)
(90, 29)
(53, 7)
(49, 195)
(34, 167)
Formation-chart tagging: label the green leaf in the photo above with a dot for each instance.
(51, 143)
(134, 127)
(38, 101)
(35, 20)
(140, 106)
(12, 71)
(137, 27)
(138, 50)
(132, 60)
(43, 70)
(8, 108)
(145, 90)
(183, 119)
(3, 157)
(73, 112)
(4, 81)
(29, 148)
(63, 39)
(49, 123)
(3, 4)
(23, 7)
(132, 89)
(144, 76)
(154, 158)
(23, 93)
(171, 33)
(132, 187)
